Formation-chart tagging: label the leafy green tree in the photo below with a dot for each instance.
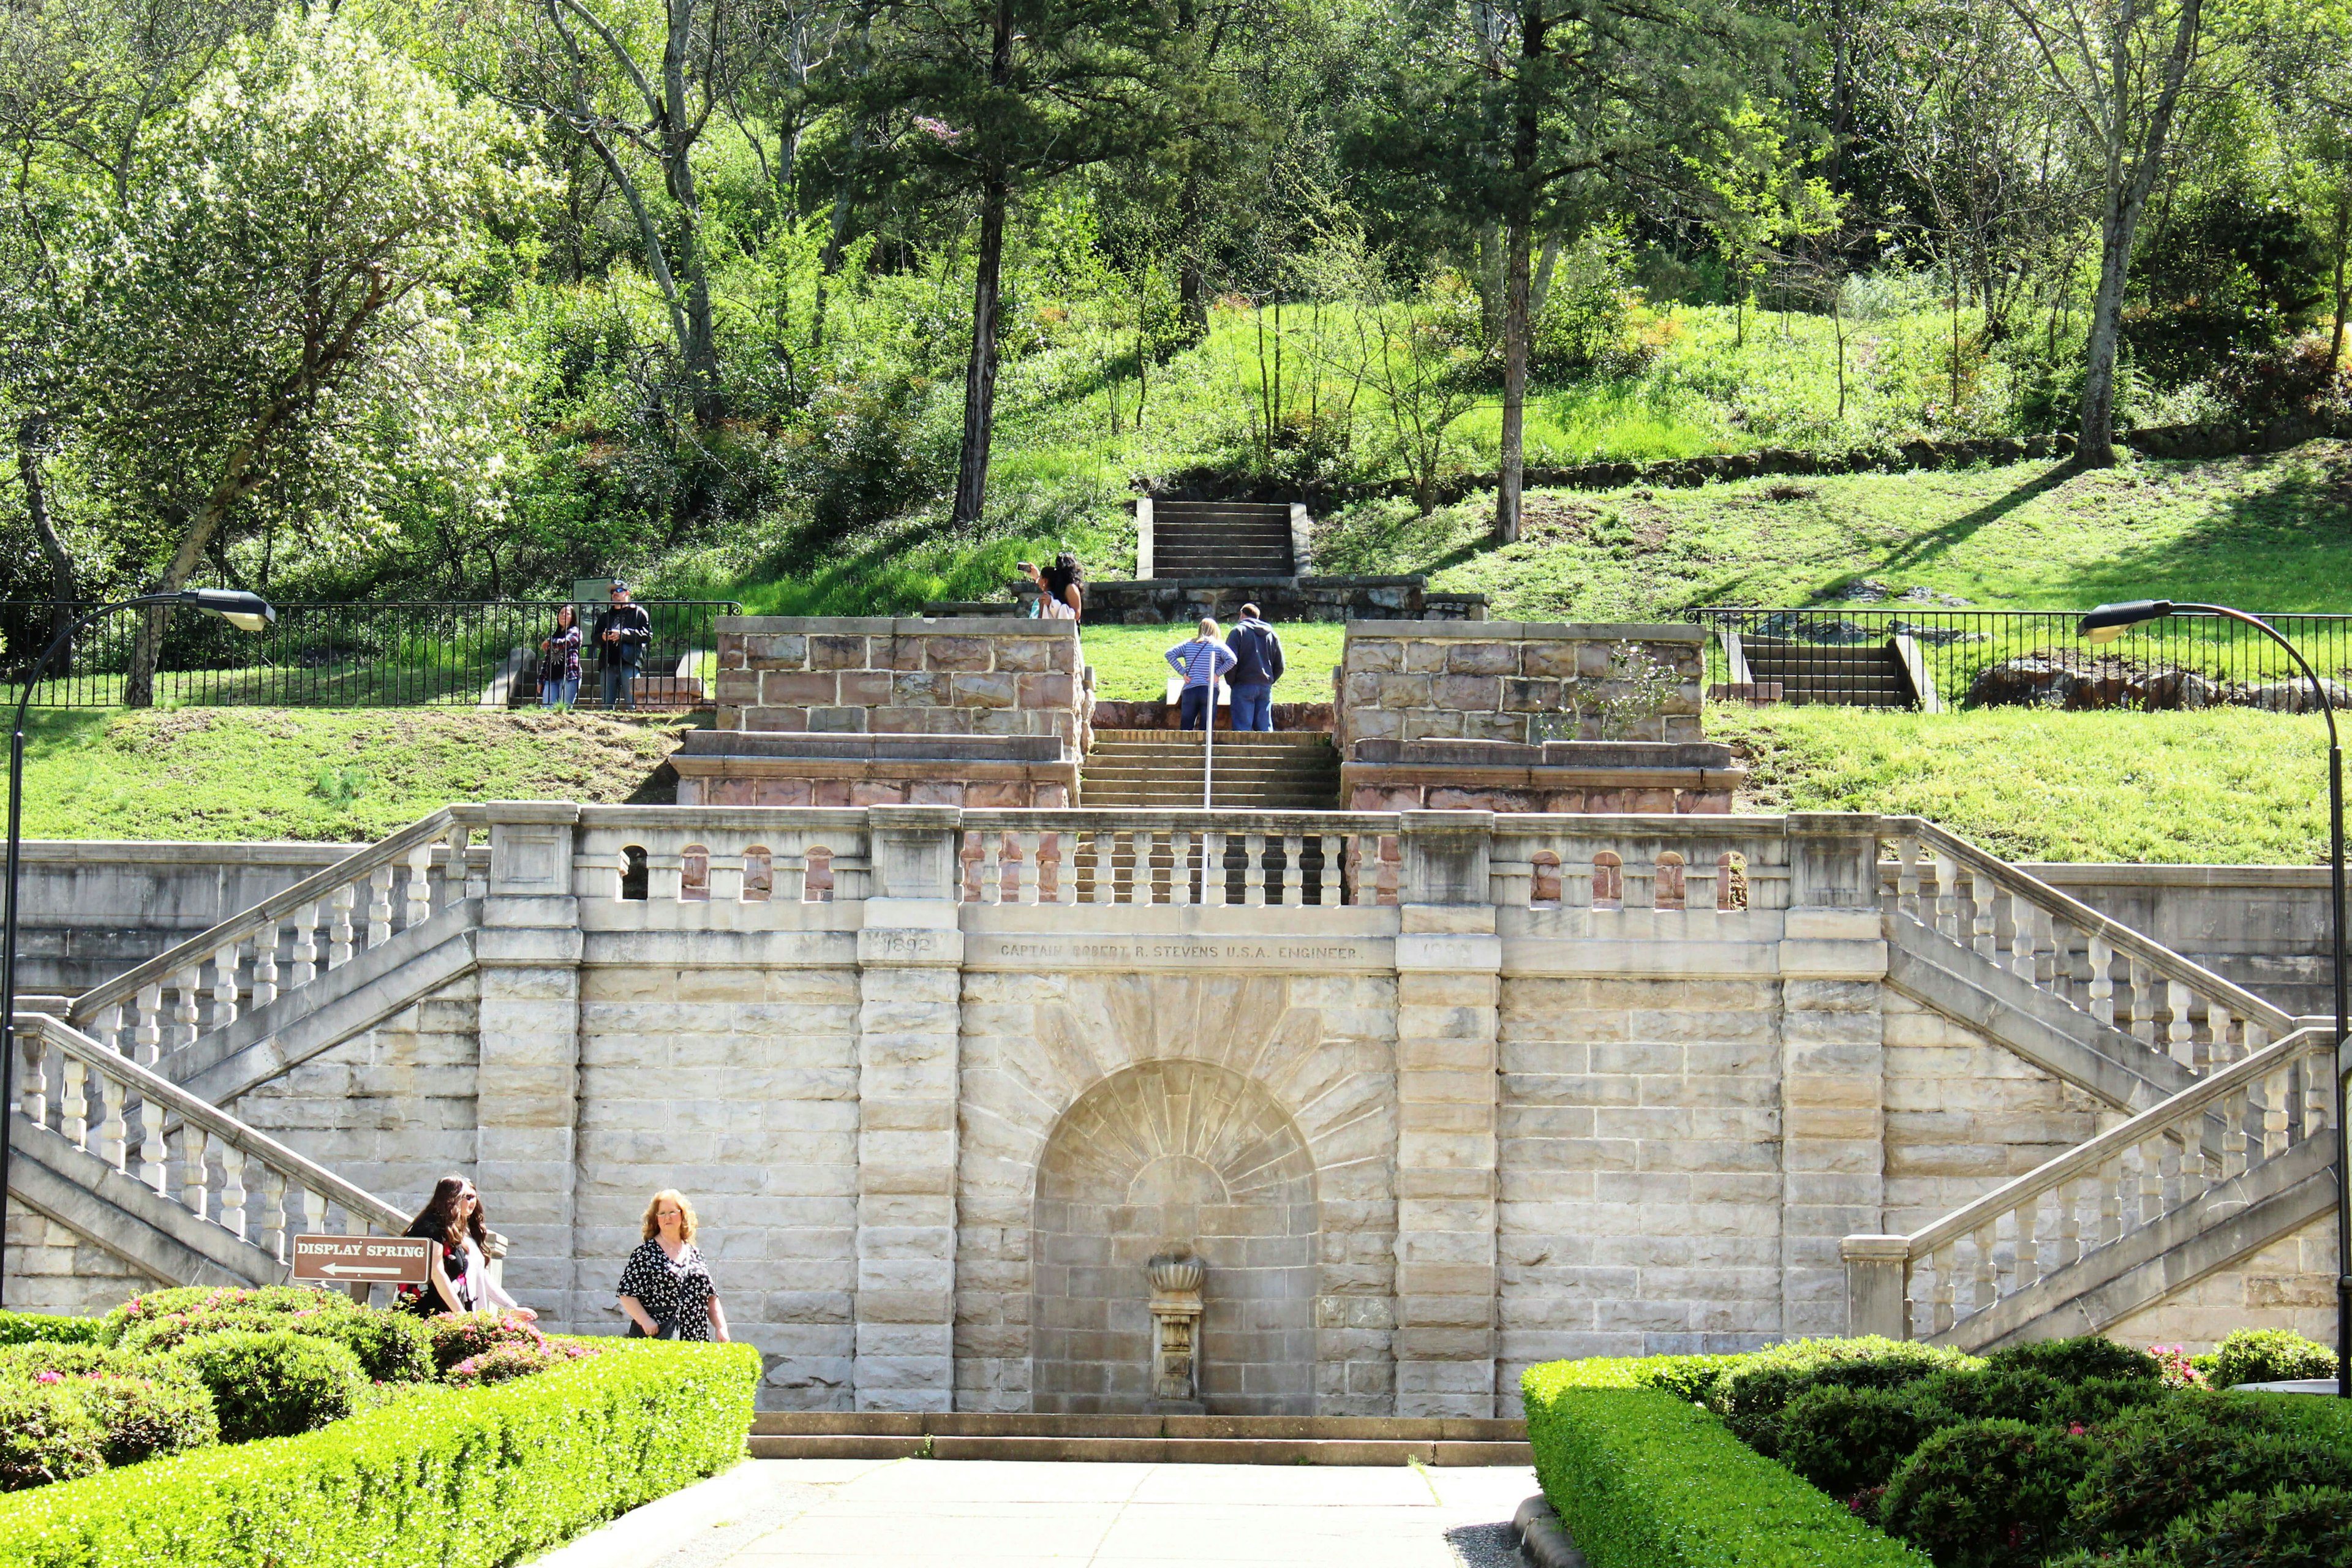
(260, 318)
(1537, 116)
(2121, 69)
(1763, 198)
(988, 99)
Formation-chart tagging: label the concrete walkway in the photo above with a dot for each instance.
(924, 1513)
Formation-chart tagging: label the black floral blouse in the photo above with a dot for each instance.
(665, 1289)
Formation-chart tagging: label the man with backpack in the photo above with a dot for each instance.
(1258, 665)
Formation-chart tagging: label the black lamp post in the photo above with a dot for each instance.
(2109, 622)
(248, 611)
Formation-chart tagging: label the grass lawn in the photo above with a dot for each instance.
(2267, 533)
(1130, 666)
(2222, 786)
(2226, 785)
(305, 774)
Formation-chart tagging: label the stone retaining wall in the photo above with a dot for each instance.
(902, 676)
(1435, 681)
(1179, 601)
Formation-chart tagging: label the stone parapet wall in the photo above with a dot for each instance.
(903, 676)
(1559, 775)
(1493, 681)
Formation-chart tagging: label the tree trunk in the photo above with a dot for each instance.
(2127, 199)
(2343, 239)
(63, 591)
(1191, 281)
(1511, 461)
(1510, 466)
(980, 378)
(139, 684)
(699, 346)
(2095, 446)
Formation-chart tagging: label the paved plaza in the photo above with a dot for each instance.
(919, 1513)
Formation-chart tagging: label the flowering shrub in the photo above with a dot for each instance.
(463, 1336)
(504, 1363)
(391, 1347)
(2177, 1371)
(47, 1434)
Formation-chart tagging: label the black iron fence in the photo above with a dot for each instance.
(358, 656)
(1932, 657)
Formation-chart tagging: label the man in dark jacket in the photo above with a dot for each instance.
(1258, 665)
(623, 630)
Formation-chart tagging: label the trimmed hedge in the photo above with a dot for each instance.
(482, 1476)
(1644, 1479)
(24, 1328)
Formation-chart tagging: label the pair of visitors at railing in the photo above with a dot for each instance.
(460, 1270)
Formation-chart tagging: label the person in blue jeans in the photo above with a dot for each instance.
(1258, 665)
(623, 630)
(1200, 662)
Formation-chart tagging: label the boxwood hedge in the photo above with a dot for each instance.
(1644, 1479)
(478, 1476)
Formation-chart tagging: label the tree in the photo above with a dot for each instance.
(990, 98)
(2120, 68)
(1762, 198)
(257, 314)
(1534, 115)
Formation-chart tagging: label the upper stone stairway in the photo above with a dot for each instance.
(1276, 770)
(1889, 674)
(1222, 539)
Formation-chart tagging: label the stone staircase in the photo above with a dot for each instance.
(1277, 770)
(118, 1132)
(2228, 1149)
(1222, 539)
(1891, 674)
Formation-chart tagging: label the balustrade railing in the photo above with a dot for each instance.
(286, 942)
(2251, 1111)
(2070, 951)
(698, 855)
(1220, 859)
(181, 1146)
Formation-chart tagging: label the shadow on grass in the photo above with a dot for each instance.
(1920, 548)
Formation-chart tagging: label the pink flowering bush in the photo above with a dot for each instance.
(463, 1336)
(2177, 1371)
(504, 1363)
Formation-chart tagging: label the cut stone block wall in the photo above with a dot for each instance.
(1489, 680)
(53, 1269)
(905, 675)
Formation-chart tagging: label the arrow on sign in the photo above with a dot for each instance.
(354, 1269)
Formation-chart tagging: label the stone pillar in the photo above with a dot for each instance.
(910, 956)
(1873, 1285)
(1833, 1064)
(1449, 966)
(528, 1078)
(1176, 1280)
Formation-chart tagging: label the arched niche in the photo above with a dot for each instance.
(1186, 1153)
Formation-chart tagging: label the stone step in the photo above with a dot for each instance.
(1150, 1450)
(1140, 1439)
(1049, 1423)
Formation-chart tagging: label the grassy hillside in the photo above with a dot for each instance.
(2228, 786)
(2271, 532)
(308, 775)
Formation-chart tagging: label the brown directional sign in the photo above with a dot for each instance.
(363, 1259)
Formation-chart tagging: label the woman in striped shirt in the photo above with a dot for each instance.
(1200, 662)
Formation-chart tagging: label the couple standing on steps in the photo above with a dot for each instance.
(1252, 653)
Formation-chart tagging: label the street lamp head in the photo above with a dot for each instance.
(247, 612)
(2109, 622)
